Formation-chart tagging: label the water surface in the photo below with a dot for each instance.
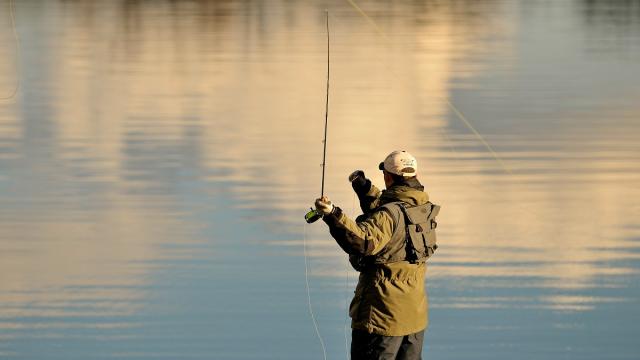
(159, 156)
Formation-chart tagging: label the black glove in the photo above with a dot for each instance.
(360, 184)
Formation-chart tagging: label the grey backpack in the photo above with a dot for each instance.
(413, 240)
(420, 228)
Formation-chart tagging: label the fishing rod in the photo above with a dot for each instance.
(313, 215)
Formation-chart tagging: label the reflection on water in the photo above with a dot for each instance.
(158, 160)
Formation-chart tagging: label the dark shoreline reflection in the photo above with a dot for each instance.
(612, 26)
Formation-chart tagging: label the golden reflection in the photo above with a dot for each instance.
(77, 269)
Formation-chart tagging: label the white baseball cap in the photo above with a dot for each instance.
(400, 163)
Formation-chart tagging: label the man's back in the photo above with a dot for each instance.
(390, 298)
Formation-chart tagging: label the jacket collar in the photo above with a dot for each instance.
(412, 183)
(409, 191)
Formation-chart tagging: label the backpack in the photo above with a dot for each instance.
(413, 240)
(420, 229)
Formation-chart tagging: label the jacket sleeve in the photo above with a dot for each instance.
(368, 194)
(366, 237)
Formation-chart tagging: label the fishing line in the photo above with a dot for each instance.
(346, 314)
(12, 16)
(455, 110)
(306, 278)
(459, 115)
(369, 19)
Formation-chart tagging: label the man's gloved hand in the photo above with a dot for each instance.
(355, 175)
(324, 206)
(359, 183)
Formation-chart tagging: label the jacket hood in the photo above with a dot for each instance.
(410, 191)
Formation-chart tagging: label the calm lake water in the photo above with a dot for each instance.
(159, 156)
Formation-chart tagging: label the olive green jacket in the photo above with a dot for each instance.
(390, 299)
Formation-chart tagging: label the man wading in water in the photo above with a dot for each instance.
(388, 245)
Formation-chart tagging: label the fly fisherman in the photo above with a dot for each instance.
(388, 244)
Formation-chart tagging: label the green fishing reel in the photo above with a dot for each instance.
(312, 216)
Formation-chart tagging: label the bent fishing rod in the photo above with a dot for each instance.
(313, 215)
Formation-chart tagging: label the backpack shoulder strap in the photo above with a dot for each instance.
(394, 209)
